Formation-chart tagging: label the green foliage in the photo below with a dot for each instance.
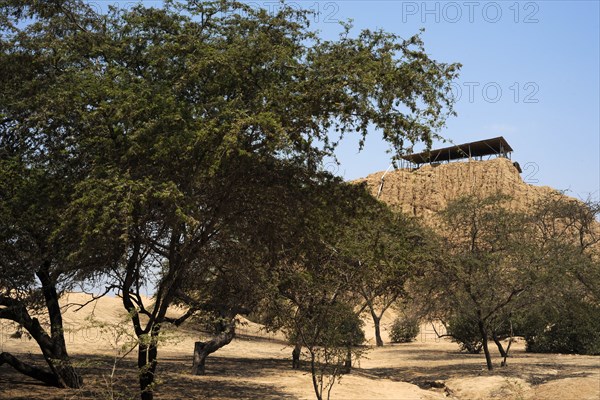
(314, 301)
(389, 247)
(335, 325)
(571, 328)
(161, 111)
(466, 333)
(404, 329)
(181, 147)
(504, 272)
(564, 317)
(331, 333)
(485, 268)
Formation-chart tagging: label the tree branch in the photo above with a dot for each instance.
(514, 293)
(79, 306)
(29, 370)
(181, 319)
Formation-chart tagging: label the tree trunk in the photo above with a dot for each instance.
(200, 354)
(203, 349)
(60, 365)
(313, 369)
(61, 373)
(147, 360)
(68, 376)
(499, 345)
(486, 350)
(348, 363)
(503, 352)
(506, 353)
(53, 346)
(376, 322)
(296, 355)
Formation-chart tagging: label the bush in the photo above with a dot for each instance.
(404, 330)
(338, 326)
(574, 329)
(466, 333)
(341, 326)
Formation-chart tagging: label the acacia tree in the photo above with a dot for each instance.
(240, 269)
(315, 313)
(39, 168)
(32, 266)
(570, 230)
(166, 108)
(563, 317)
(388, 246)
(489, 267)
(502, 273)
(313, 302)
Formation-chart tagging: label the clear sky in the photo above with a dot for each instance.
(542, 56)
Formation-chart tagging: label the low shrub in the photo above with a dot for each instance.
(404, 330)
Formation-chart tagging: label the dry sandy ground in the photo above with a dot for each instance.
(257, 366)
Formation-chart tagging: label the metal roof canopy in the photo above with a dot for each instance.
(494, 146)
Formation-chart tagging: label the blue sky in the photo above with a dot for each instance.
(543, 56)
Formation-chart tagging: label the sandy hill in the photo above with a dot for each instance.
(425, 191)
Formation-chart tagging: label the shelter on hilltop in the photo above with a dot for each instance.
(494, 147)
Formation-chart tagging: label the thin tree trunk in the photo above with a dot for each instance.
(377, 323)
(203, 349)
(147, 360)
(486, 350)
(507, 350)
(499, 345)
(313, 370)
(510, 341)
(348, 363)
(296, 355)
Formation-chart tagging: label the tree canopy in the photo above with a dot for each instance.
(167, 134)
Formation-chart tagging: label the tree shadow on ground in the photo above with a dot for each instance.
(173, 373)
(437, 355)
(228, 366)
(533, 373)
